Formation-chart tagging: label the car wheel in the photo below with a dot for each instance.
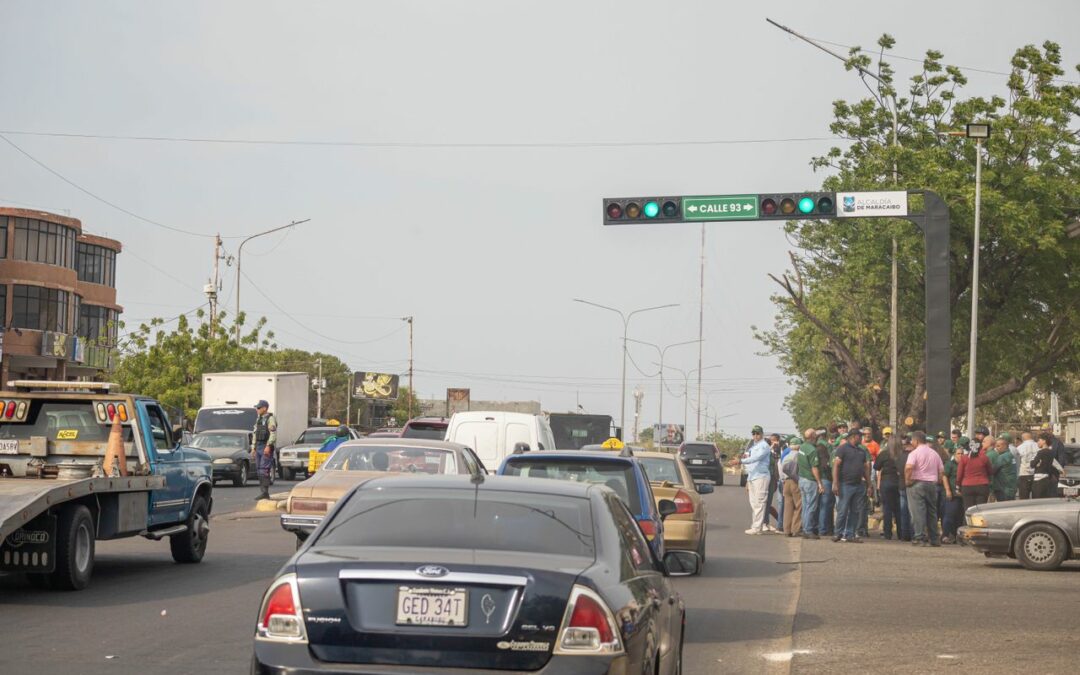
(74, 549)
(701, 551)
(1040, 547)
(242, 477)
(742, 480)
(719, 478)
(190, 546)
(288, 474)
(677, 669)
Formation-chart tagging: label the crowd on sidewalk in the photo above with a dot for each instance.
(827, 483)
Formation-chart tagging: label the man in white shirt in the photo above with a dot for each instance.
(1025, 452)
(756, 460)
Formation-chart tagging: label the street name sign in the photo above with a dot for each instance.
(726, 207)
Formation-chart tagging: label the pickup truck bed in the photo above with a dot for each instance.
(22, 499)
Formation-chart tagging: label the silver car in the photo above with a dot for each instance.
(294, 458)
(1040, 533)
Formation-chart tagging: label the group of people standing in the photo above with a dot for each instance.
(829, 481)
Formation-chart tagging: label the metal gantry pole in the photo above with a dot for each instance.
(701, 329)
(972, 358)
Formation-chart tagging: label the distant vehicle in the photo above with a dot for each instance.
(53, 436)
(496, 435)
(684, 530)
(455, 574)
(230, 452)
(623, 473)
(573, 431)
(294, 457)
(705, 461)
(1040, 533)
(433, 428)
(385, 433)
(354, 462)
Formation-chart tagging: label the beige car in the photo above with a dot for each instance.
(354, 462)
(684, 530)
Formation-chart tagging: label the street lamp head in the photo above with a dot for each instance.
(978, 130)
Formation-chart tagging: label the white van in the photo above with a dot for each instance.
(494, 435)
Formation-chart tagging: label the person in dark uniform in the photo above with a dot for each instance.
(263, 441)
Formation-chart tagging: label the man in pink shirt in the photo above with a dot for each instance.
(922, 474)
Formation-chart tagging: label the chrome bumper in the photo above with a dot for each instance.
(300, 525)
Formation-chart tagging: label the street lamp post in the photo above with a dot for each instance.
(686, 391)
(662, 351)
(239, 255)
(626, 324)
(978, 132)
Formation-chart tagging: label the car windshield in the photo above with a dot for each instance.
(463, 519)
(60, 420)
(660, 469)
(316, 436)
(619, 476)
(393, 459)
(433, 431)
(224, 441)
(214, 419)
(698, 450)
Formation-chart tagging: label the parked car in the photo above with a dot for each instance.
(622, 472)
(1040, 533)
(354, 462)
(670, 479)
(230, 452)
(467, 574)
(294, 457)
(433, 428)
(496, 435)
(704, 461)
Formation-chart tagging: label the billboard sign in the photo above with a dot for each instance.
(375, 386)
(668, 435)
(866, 204)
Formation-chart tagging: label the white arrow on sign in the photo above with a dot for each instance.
(691, 208)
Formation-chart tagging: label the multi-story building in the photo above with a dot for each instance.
(58, 295)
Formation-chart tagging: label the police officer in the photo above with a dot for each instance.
(263, 442)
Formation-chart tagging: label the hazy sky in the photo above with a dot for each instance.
(485, 246)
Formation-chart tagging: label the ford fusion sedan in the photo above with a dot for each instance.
(474, 575)
(354, 462)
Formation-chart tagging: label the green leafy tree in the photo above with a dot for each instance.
(729, 444)
(832, 329)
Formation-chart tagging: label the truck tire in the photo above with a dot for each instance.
(1040, 547)
(74, 549)
(190, 547)
(288, 474)
(242, 477)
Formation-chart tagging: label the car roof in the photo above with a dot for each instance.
(606, 456)
(428, 420)
(204, 432)
(544, 486)
(655, 455)
(389, 442)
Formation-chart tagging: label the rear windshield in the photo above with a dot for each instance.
(432, 431)
(223, 441)
(619, 476)
(60, 420)
(212, 419)
(699, 449)
(394, 459)
(316, 436)
(464, 519)
(659, 469)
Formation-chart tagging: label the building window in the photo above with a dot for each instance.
(97, 323)
(96, 264)
(3, 236)
(38, 308)
(3, 305)
(44, 242)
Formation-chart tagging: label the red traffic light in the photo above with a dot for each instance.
(614, 210)
(768, 207)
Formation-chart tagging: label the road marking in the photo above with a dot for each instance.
(785, 656)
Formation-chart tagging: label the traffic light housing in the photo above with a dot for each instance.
(796, 205)
(643, 210)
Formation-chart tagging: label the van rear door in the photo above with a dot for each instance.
(483, 437)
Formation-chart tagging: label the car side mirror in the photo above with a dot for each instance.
(705, 488)
(667, 508)
(520, 448)
(682, 563)
(723, 456)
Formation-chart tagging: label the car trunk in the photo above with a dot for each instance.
(495, 609)
(668, 490)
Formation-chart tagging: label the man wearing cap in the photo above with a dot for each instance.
(791, 502)
(851, 483)
(756, 459)
(263, 441)
(827, 500)
(923, 472)
(811, 488)
(907, 531)
(954, 507)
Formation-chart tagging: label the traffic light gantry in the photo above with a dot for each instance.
(682, 209)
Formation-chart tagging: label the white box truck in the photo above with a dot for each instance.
(228, 402)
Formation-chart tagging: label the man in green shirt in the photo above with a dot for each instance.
(954, 508)
(1003, 464)
(810, 485)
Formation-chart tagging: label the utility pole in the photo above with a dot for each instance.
(975, 288)
(318, 389)
(211, 290)
(701, 333)
(412, 392)
(348, 402)
(639, 394)
(240, 253)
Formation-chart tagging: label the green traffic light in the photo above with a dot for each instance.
(651, 209)
(806, 205)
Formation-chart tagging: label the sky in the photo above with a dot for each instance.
(455, 160)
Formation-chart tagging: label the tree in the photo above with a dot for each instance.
(729, 444)
(831, 332)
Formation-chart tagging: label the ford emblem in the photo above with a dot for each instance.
(432, 571)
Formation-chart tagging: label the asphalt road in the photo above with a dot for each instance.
(765, 604)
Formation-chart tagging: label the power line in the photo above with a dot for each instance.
(425, 145)
(90, 194)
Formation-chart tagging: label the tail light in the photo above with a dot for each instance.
(309, 506)
(588, 626)
(112, 411)
(279, 615)
(121, 410)
(648, 528)
(683, 503)
(9, 409)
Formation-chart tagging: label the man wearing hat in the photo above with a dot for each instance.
(851, 483)
(756, 459)
(263, 442)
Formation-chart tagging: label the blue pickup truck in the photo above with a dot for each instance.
(79, 463)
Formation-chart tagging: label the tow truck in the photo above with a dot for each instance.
(79, 464)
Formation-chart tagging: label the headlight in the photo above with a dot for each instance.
(312, 506)
(978, 521)
(223, 460)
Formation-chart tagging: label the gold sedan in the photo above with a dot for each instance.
(355, 462)
(669, 478)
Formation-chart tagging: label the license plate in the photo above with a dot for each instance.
(9, 446)
(1071, 490)
(697, 461)
(432, 606)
